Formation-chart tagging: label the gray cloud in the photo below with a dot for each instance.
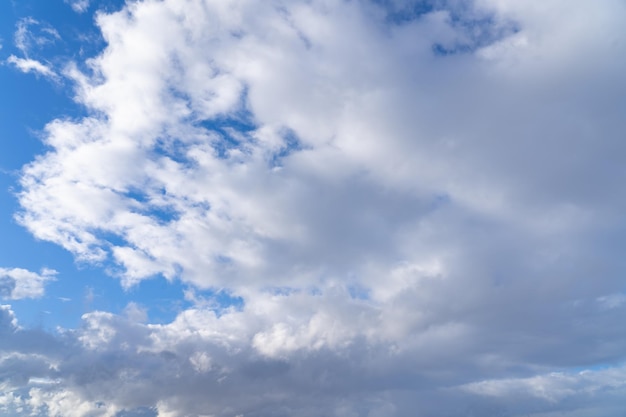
(418, 207)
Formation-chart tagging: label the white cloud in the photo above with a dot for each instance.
(18, 283)
(31, 34)
(407, 207)
(27, 65)
(79, 6)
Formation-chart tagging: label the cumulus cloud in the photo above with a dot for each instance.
(339, 362)
(18, 283)
(418, 208)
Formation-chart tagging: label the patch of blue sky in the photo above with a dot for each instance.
(111, 239)
(162, 299)
(225, 300)
(149, 204)
(215, 299)
(139, 412)
(225, 133)
(399, 12)
(173, 149)
(30, 102)
(291, 144)
(77, 33)
(18, 249)
(479, 30)
(359, 292)
(597, 367)
(224, 260)
(233, 132)
(75, 293)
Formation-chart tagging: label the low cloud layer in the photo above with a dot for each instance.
(420, 206)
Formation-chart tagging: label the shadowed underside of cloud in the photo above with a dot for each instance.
(422, 212)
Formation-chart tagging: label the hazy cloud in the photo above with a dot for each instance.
(79, 6)
(31, 34)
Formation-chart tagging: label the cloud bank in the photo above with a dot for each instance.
(420, 206)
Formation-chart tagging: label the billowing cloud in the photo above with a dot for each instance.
(339, 362)
(419, 207)
(17, 283)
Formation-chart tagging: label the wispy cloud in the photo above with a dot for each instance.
(27, 65)
(79, 6)
(30, 33)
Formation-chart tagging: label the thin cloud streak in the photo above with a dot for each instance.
(30, 65)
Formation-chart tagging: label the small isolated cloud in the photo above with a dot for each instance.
(79, 6)
(18, 283)
(32, 34)
(27, 65)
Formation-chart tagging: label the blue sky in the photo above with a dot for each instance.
(312, 208)
(35, 101)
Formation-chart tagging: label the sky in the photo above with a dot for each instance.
(303, 208)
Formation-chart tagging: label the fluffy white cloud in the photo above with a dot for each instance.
(414, 207)
(17, 283)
